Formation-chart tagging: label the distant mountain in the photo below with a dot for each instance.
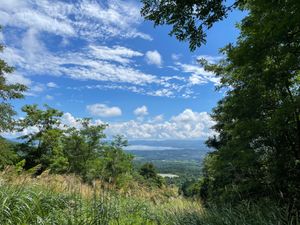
(168, 145)
(168, 150)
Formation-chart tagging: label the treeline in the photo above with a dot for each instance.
(82, 150)
(257, 149)
(50, 145)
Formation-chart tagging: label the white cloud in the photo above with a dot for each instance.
(158, 118)
(199, 74)
(70, 121)
(154, 58)
(117, 53)
(84, 65)
(52, 85)
(16, 78)
(103, 110)
(141, 111)
(86, 18)
(37, 88)
(96, 22)
(31, 43)
(23, 15)
(171, 91)
(186, 125)
(162, 93)
(116, 18)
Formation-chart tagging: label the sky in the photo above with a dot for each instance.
(101, 59)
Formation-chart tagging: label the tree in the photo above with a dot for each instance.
(116, 164)
(7, 92)
(8, 155)
(83, 146)
(44, 141)
(148, 171)
(258, 121)
(257, 151)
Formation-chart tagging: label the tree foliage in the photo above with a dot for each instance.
(7, 93)
(189, 19)
(257, 151)
(43, 139)
(148, 171)
(7, 156)
(49, 144)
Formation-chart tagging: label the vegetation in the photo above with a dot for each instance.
(71, 175)
(257, 151)
(7, 92)
(60, 199)
(148, 171)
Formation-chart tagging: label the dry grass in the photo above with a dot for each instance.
(71, 184)
(65, 199)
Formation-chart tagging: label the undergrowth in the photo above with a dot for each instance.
(51, 200)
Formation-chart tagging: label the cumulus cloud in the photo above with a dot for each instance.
(69, 120)
(141, 111)
(157, 118)
(186, 125)
(103, 110)
(154, 58)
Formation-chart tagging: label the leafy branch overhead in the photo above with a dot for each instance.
(189, 19)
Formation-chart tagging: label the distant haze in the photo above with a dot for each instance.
(149, 148)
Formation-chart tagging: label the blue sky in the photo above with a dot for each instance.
(100, 59)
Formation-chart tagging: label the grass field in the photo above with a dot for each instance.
(54, 199)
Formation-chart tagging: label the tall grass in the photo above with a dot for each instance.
(65, 200)
(246, 213)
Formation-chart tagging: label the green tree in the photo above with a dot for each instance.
(116, 164)
(7, 93)
(44, 141)
(8, 155)
(83, 146)
(257, 151)
(148, 171)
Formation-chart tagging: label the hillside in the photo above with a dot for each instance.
(55, 199)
